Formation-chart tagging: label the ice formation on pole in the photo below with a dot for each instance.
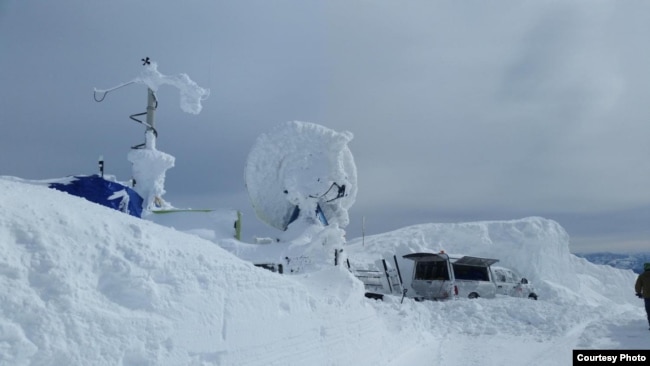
(191, 93)
(149, 164)
(149, 169)
(304, 165)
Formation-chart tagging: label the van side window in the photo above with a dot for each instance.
(431, 270)
(514, 277)
(501, 276)
(472, 273)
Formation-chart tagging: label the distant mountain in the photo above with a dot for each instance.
(623, 261)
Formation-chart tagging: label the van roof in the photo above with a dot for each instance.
(476, 261)
(426, 256)
(465, 260)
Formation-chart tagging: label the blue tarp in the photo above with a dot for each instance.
(104, 192)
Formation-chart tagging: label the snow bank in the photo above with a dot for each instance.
(314, 249)
(536, 247)
(81, 284)
(86, 285)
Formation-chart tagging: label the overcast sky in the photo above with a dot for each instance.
(461, 110)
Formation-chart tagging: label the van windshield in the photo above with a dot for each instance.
(431, 271)
(473, 273)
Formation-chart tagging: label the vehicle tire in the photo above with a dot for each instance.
(532, 296)
(473, 295)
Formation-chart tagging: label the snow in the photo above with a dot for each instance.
(535, 247)
(297, 164)
(149, 170)
(86, 285)
(314, 249)
(191, 94)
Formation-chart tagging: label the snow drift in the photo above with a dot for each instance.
(537, 248)
(86, 285)
(83, 284)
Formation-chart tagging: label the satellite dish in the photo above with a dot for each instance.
(301, 169)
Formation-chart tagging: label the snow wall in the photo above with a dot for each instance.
(535, 247)
(82, 284)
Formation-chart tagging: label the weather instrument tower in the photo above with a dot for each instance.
(149, 164)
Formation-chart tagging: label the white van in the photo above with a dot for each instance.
(510, 283)
(439, 276)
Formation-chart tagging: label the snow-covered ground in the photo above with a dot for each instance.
(82, 284)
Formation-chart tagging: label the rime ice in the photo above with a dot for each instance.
(149, 164)
(191, 93)
(297, 164)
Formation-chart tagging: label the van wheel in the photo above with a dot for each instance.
(473, 295)
(532, 296)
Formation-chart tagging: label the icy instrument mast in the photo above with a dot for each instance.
(149, 164)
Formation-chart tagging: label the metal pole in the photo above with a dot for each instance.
(101, 166)
(238, 226)
(390, 287)
(399, 274)
(363, 231)
(150, 138)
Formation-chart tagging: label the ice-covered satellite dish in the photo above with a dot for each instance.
(304, 171)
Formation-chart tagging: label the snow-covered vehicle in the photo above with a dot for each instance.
(510, 283)
(439, 276)
(379, 279)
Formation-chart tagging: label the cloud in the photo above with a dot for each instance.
(459, 110)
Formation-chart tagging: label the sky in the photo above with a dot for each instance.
(461, 111)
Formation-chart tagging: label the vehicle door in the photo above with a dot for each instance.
(432, 276)
(520, 288)
(475, 279)
(503, 281)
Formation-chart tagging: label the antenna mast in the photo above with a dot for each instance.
(149, 164)
(150, 133)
